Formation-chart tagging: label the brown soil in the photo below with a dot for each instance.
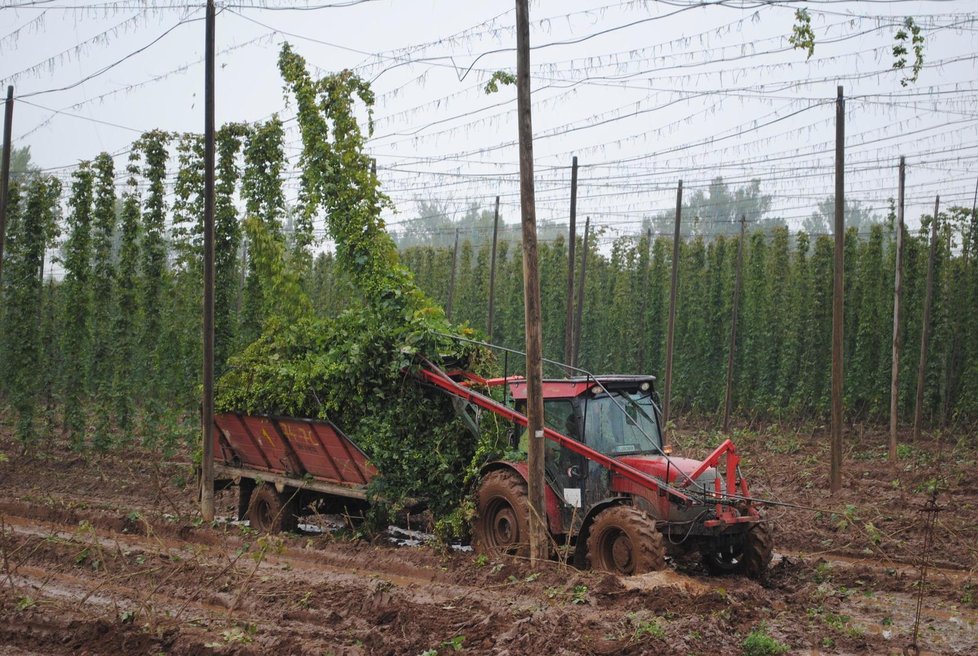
(106, 555)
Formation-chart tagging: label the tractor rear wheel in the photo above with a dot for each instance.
(624, 540)
(747, 554)
(272, 512)
(501, 526)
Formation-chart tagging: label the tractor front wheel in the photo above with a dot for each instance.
(502, 525)
(624, 540)
(747, 554)
(272, 512)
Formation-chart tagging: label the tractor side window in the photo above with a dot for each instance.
(559, 416)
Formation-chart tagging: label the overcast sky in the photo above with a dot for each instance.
(644, 93)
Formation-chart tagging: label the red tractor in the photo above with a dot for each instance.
(615, 495)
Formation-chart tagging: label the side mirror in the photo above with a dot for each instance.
(574, 472)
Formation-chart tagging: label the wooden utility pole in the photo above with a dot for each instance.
(531, 292)
(207, 403)
(579, 309)
(451, 278)
(8, 119)
(673, 287)
(728, 394)
(571, 247)
(918, 410)
(492, 271)
(897, 298)
(835, 469)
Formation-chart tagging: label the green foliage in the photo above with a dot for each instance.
(497, 78)
(337, 178)
(78, 303)
(153, 147)
(126, 319)
(261, 189)
(910, 30)
(759, 643)
(802, 36)
(103, 287)
(649, 629)
(227, 241)
(30, 229)
(783, 361)
(354, 369)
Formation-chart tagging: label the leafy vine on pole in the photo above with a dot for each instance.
(103, 278)
(352, 368)
(78, 302)
(126, 320)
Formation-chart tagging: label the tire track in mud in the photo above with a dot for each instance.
(396, 593)
(212, 593)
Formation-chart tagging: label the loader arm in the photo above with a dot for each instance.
(430, 373)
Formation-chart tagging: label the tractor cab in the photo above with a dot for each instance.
(618, 417)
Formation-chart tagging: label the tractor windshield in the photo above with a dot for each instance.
(609, 430)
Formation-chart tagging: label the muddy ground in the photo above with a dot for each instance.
(106, 555)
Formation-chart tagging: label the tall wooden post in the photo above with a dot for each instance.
(897, 299)
(492, 272)
(835, 469)
(451, 278)
(8, 120)
(579, 309)
(728, 394)
(571, 247)
(918, 410)
(673, 287)
(207, 403)
(531, 292)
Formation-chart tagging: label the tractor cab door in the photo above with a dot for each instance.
(567, 470)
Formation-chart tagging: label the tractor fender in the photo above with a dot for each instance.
(553, 500)
(580, 550)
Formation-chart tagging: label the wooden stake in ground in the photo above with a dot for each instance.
(492, 272)
(897, 298)
(673, 286)
(531, 292)
(8, 119)
(835, 469)
(571, 247)
(728, 394)
(918, 409)
(579, 310)
(207, 402)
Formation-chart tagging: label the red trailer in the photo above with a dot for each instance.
(282, 464)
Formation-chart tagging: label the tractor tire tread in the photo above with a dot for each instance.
(508, 485)
(649, 552)
(758, 549)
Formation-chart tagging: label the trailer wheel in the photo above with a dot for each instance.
(502, 524)
(624, 541)
(748, 554)
(272, 512)
(245, 489)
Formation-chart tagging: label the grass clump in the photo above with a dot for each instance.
(759, 643)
